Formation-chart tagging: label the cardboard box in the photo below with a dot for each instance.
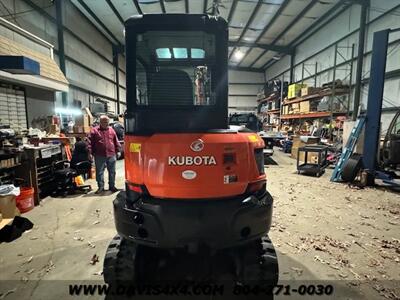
(305, 107)
(81, 129)
(300, 141)
(295, 90)
(295, 108)
(285, 109)
(305, 91)
(86, 110)
(54, 129)
(8, 207)
(82, 120)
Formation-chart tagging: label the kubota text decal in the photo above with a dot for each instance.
(191, 161)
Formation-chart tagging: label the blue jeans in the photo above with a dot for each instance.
(101, 163)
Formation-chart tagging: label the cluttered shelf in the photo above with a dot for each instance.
(272, 111)
(318, 95)
(9, 167)
(272, 97)
(317, 114)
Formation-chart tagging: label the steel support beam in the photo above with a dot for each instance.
(116, 71)
(162, 4)
(267, 27)
(249, 21)
(315, 27)
(66, 29)
(97, 19)
(360, 57)
(292, 60)
(292, 23)
(136, 3)
(277, 48)
(375, 99)
(187, 6)
(61, 50)
(245, 69)
(205, 3)
(388, 12)
(232, 11)
(115, 11)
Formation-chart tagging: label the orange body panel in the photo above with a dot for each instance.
(156, 162)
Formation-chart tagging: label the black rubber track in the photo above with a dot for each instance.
(119, 261)
(254, 264)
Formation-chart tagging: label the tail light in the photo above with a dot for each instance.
(254, 187)
(259, 156)
(135, 188)
(134, 191)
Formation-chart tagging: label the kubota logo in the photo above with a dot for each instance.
(191, 161)
(197, 145)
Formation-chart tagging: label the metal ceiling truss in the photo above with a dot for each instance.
(205, 3)
(96, 18)
(266, 28)
(249, 21)
(115, 11)
(232, 10)
(139, 10)
(276, 48)
(187, 6)
(245, 69)
(316, 26)
(162, 4)
(292, 23)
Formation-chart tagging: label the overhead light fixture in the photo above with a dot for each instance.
(276, 57)
(68, 111)
(238, 54)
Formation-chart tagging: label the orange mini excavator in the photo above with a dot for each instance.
(195, 200)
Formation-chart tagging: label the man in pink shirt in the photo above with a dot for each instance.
(104, 146)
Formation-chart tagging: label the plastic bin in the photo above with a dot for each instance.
(25, 200)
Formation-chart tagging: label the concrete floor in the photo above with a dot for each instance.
(321, 231)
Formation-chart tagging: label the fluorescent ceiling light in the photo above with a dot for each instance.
(238, 54)
(68, 111)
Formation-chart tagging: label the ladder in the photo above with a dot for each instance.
(348, 149)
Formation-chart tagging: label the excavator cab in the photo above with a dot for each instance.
(179, 70)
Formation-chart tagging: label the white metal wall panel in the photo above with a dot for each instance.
(85, 30)
(242, 76)
(237, 89)
(79, 52)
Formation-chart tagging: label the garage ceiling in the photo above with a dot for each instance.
(260, 31)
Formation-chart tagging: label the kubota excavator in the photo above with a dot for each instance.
(195, 204)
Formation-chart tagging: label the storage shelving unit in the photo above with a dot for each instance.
(333, 92)
(38, 169)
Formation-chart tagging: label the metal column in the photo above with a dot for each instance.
(375, 98)
(116, 68)
(360, 58)
(332, 97)
(350, 81)
(61, 51)
(292, 57)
